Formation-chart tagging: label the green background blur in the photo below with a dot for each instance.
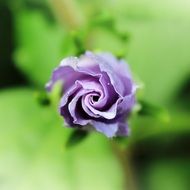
(35, 36)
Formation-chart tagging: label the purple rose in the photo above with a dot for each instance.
(98, 90)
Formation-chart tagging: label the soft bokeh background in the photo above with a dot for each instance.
(154, 37)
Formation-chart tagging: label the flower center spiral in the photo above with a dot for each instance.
(95, 98)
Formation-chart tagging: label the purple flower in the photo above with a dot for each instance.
(98, 90)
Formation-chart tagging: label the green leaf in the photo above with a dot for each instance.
(76, 137)
(158, 55)
(99, 37)
(42, 98)
(166, 174)
(55, 93)
(39, 45)
(148, 109)
(33, 153)
(78, 39)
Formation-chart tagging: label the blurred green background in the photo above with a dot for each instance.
(154, 36)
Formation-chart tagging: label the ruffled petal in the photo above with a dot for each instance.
(108, 129)
(123, 129)
(63, 108)
(116, 82)
(108, 114)
(75, 111)
(121, 66)
(69, 71)
(121, 70)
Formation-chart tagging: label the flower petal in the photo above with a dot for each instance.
(75, 111)
(123, 129)
(63, 108)
(68, 72)
(108, 114)
(121, 66)
(108, 129)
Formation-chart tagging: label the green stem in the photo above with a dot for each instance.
(123, 157)
(67, 13)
